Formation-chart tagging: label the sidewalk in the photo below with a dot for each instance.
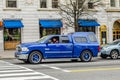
(7, 54)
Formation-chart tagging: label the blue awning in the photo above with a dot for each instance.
(50, 23)
(88, 23)
(12, 23)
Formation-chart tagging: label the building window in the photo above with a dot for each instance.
(119, 3)
(80, 3)
(12, 37)
(116, 30)
(112, 3)
(11, 3)
(49, 31)
(43, 3)
(54, 3)
(87, 29)
(90, 5)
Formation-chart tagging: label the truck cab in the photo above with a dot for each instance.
(83, 45)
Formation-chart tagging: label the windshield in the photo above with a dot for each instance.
(114, 42)
(42, 39)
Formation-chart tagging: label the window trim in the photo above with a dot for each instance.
(111, 4)
(90, 6)
(40, 4)
(52, 4)
(11, 8)
(6, 1)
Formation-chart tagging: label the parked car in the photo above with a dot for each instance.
(83, 45)
(111, 50)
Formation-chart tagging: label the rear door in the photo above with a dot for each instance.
(66, 47)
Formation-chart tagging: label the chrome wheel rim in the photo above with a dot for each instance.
(114, 55)
(35, 58)
(86, 56)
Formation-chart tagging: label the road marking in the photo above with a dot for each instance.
(28, 78)
(56, 68)
(10, 71)
(13, 71)
(95, 69)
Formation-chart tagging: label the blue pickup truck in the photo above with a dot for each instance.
(83, 45)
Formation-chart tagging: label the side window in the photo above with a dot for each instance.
(92, 38)
(80, 39)
(54, 40)
(64, 39)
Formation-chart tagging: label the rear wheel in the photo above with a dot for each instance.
(86, 56)
(35, 57)
(114, 54)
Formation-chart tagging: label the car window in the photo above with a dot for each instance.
(64, 39)
(114, 42)
(80, 39)
(53, 40)
(42, 39)
(92, 38)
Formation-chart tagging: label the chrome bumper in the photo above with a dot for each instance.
(21, 56)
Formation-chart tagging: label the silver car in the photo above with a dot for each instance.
(111, 50)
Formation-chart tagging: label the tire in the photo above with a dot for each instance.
(35, 57)
(103, 56)
(114, 54)
(26, 61)
(86, 56)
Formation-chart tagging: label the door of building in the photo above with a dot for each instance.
(103, 34)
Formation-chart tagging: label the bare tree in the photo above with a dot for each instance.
(73, 9)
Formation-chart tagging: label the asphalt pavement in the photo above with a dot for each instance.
(65, 69)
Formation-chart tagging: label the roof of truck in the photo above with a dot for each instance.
(81, 33)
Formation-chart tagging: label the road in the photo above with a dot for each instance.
(64, 69)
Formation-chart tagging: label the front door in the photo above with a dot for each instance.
(52, 49)
(61, 49)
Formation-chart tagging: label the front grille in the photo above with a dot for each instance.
(18, 48)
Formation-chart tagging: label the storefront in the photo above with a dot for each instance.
(87, 25)
(12, 33)
(48, 27)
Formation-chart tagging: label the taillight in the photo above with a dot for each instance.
(99, 48)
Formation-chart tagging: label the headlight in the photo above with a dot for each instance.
(25, 49)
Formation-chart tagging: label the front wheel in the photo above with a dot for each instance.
(86, 56)
(35, 57)
(103, 56)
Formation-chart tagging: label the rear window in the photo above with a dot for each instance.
(80, 39)
(92, 38)
(64, 39)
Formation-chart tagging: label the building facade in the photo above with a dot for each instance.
(28, 20)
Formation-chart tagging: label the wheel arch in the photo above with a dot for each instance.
(116, 50)
(38, 51)
(86, 50)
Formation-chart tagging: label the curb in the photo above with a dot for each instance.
(6, 58)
